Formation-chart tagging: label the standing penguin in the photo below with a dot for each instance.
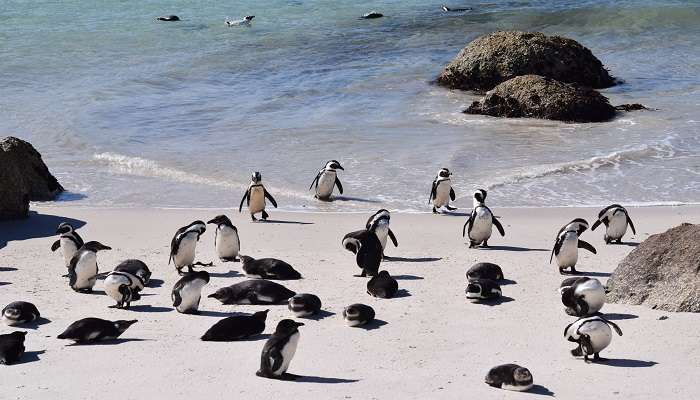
(379, 224)
(279, 351)
(441, 192)
(616, 219)
(123, 287)
(82, 270)
(69, 241)
(367, 249)
(184, 245)
(226, 240)
(593, 334)
(480, 222)
(567, 244)
(326, 179)
(255, 197)
(187, 292)
(582, 296)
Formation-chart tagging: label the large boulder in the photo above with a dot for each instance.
(24, 177)
(663, 272)
(534, 96)
(500, 56)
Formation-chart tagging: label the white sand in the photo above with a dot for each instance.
(434, 344)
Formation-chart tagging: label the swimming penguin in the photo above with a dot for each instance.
(88, 330)
(367, 248)
(379, 224)
(168, 18)
(253, 291)
(510, 377)
(279, 351)
(237, 327)
(382, 285)
(188, 291)
(255, 197)
(326, 179)
(593, 334)
(184, 245)
(137, 268)
(82, 270)
(246, 21)
(616, 219)
(372, 15)
(567, 244)
(480, 222)
(582, 296)
(304, 305)
(482, 289)
(268, 268)
(441, 192)
(226, 241)
(450, 9)
(11, 347)
(123, 287)
(19, 312)
(485, 270)
(358, 314)
(69, 241)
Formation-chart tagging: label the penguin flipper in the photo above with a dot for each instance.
(464, 228)
(245, 196)
(555, 249)
(498, 226)
(585, 245)
(393, 238)
(315, 181)
(78, 240)
(340, 186)
(595, 225)
(453, 196)
(629, 221)
(55, 246)
(269, 197)
(432, 192)
(614, 325)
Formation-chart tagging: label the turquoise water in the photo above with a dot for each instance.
(130, 111)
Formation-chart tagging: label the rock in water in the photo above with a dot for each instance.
(500, 56)
(534, 96)
(663, 272)
(24, 177)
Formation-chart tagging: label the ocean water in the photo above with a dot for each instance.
(128, 111)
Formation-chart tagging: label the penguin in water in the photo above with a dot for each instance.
(379, 224)
(480, 222)
(89, 330)
(245, 21)
(187, 292)
(226, 240)
(367, 249)
(83, 269)
(372, 15)
(12, 347)
(567, 244)
(69, 242)
(616, 219)
(326, 179)
(184, 245)
(442, 192)
(358, 314)
(168, 18)
(268, 268)
(236, 327)
(253, 291)
(382, 285)
(19, 312)
(123, 287)
(582, 296)
(510, 377)
(593, 335)
(304, 305)
(279, 351)
(135, 267)
(451, 9)
(255, 197)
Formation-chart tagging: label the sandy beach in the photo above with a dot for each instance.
(429, 342)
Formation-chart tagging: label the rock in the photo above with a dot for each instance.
(500, 56)
(24, 177)
(663, 272)
(534, 96)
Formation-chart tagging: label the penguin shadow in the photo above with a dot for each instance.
(374, 324)
(357, 199)
(511, 248)
(455, 213)
(496, 302)
(631, 244)
(109, 342)
(599, 274)
(618, 316)
(407, 277)
(322, 314)
(229, 274)
(416, 259)
(7, 269)
(210, 313)
(322, 379)
(149, 308)
(279, 221)
(34, 226)
(625, 363)
(155, 283)
(541, 390)
(5, 283)
(29, 356)
(36, 323)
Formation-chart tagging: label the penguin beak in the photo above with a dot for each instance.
(300, 324)
(103, 247)
(341, 167)
(213, 296)
(213, 221)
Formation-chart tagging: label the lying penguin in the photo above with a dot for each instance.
(89, 330)
(245, 21)
(510, 377)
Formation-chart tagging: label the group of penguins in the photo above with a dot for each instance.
(582, 297)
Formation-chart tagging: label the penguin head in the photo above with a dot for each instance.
(256, 177)
(197, 226)
(199, 275)
(261, 315)
(334, 164)
(288, 327)
(249, 17)
(384, 274)
(123, 325)
(222, 294)
(64, 228)
(95, 246)
(11, 313)
(480, 196)
(444, 173)
(381, 214)
(579, 225)
(221, 220)
(522, 375)
(445, 8)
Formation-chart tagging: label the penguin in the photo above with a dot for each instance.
(367, 249)
(442, 192)
(304, 305)
(485, 270)
(69, 242)
(616, 219)
(482, 289)
(12, 347)
(82, 270)
(237, 327)
(567, 244)
(382, 285)
(137, 268)
(253, 291)
(372, 15)
(582, 296)
(245, 21)
(184, 244)
(358, 314)
(20, 312)
(255, 197)
(226, 241)
(268, 268)
(123, 287)
(593, 335)
(188, 291)
(480, 222)
(450, 9)
(379, 224)
(510, 377)
(326, 179)
(279, 351)
(168, 18)
(88, 330)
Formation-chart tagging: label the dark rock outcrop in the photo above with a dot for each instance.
(534, 96)
(497, 57)
(662, 273)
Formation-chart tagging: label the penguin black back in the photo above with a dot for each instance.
(236, 327)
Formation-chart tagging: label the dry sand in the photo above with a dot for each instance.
(430, 343)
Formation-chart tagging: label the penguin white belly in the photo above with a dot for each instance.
(326, 183)
(288, 353)
(257, 199)
(593, 293)
(568, 253)
(442, 194)
(382, 231)
(69, 249)
(186, 250)
(617, 226)
(191, 295)
(86, 271)
(482, 226)
(227, 244)
(599, 333)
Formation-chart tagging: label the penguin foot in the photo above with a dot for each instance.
(577, 352)
(265, 216)
(435, 210)
(485, 244)
(598, 358)
(253, 217)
